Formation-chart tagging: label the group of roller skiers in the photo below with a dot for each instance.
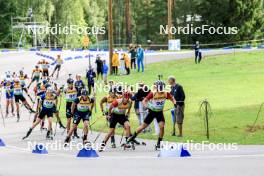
(115, 107)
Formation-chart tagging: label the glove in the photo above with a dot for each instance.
(103, 113)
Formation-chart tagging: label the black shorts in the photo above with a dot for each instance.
(19, 97)
(154, 115)
(45, 72)
(36, 78)
(117, 118)
(78, 116)
(68, 109)
(55, 110)
(57, 67)
(46, 112)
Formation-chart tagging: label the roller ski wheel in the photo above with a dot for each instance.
(18, 118)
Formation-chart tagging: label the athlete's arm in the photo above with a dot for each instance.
(129, 109)
(171, 98)
(104, 100)
(146, 99)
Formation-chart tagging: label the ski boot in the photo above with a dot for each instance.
(67, 141)
(49, 135)
(102, 147)
(18, 117)
(75, 135)
(28, 133)
(61, 125)
(113, 145)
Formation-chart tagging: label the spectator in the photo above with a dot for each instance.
(140, 58)
(79, 85)
(90, 75)
(127, 63)
(178, 113)
(133, 52)
(99, 67)
(115, 62)
(197, 52)
(105, 72)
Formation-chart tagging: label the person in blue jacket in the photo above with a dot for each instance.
(140, 58)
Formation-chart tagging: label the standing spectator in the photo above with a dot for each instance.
(140, 58)
(99, 67)
(178, 113)
(90, 75)
(197, 52)
(133, 52)
(79, 85)
(105, 72)
(115, 62)
(127, 63)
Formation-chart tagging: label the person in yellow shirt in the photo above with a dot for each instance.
(59, 62)
(127, 63)
(115, 62)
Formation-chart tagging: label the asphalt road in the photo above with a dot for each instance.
(16, 158)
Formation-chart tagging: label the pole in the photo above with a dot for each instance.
(169, 3)
(110, 33)
(206, 119)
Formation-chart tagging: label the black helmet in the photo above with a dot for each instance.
(70, 81)
(113, 90)
(84, 92)
(160, 85)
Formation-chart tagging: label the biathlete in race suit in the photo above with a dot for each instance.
(70, 95)
(47, 104)
(18, 94)
(45, 68)
(22, 77)
(155, 102)
(108, 100)
(8, 85)
(119, 112)
(36, 74)
(81, 110)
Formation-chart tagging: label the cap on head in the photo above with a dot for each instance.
(16, 80)
(160, 85)
(70, 81)
(49, 89)
(84, 92)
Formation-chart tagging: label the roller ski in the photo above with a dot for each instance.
(157, 147)
(130, 145)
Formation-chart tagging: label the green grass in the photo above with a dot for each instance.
(233, 85)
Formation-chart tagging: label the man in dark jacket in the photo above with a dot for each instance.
(79, 85)
(133, 52)
(90, 75)
(197, 52)
(178, 112)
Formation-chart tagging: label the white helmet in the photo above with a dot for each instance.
(16, 79)
(50, 89)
